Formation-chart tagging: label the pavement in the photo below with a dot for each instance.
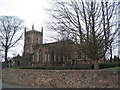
(11, 85)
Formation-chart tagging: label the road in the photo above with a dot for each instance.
(16, 86)
(10, 85)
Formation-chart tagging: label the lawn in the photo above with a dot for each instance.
(12, 67)
(113, 68)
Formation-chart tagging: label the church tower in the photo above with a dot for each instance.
(32, 38)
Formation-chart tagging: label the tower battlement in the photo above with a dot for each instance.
(32, 38)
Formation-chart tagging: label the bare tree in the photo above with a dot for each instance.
(110, 19)
(10, 27)
(89, 24)
(119, 29)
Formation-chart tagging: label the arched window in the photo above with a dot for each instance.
(27, 50)
(69, 56)
(40, 55)
(38, 40)
(47, 56)
(79, 55)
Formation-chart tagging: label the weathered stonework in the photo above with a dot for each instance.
(63, 78)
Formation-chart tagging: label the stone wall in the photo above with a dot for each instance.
(63, 78)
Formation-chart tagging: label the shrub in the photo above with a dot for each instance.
(69, 67)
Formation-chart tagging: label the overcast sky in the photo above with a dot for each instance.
(31, 11)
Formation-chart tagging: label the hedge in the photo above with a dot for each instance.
(70, 67)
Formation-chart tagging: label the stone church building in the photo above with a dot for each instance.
(37, 53)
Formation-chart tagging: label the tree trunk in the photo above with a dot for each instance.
(96, 65)
(110, 53)
(6, 53)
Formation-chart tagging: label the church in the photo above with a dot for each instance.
(62, 52)
(37, 53)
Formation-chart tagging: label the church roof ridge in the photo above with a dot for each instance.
(61, 41)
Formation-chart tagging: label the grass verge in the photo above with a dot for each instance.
(113, 68)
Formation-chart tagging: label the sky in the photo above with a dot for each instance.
(31, 11)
